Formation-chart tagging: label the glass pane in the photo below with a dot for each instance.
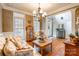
(19, 27)
(36, 26)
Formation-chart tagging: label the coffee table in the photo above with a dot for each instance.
(42, 45)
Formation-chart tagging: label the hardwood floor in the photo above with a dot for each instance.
(57, 46)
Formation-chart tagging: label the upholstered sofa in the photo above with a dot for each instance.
(14, 46)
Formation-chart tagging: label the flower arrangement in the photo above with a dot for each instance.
(71, 35)
(40, 35)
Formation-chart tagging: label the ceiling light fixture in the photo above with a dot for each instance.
(40, 15)
(39, 12)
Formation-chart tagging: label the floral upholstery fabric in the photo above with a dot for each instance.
(9, 48)
(17, 41)
(24, 52)
(2, 42)
(13, 46)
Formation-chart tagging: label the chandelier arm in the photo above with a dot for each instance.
(39, 5)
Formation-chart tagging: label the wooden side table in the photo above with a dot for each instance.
(42, 45)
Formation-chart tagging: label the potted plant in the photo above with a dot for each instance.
(71, 37)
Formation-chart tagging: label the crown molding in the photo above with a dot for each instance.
(50, 13)
(68, 7)
(14, 9)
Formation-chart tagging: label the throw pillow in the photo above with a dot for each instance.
(17, 41)
(9, 48)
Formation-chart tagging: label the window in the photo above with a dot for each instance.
(36, 25)
(18, 24)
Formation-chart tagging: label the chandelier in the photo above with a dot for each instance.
(40, 15)
(39, 12)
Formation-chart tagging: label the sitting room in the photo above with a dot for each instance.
(39, 29)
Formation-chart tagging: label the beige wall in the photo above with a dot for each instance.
(0, 18)
(7, 20)
(76, 15)
(77, 12)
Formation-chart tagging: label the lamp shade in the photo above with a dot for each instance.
(41, 11)
(44, 14)
(34, 13)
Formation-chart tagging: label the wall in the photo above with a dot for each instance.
(73, 20)
(66, 21)
(77, 12)
(0, 18)
(76, 18)
(7, 20)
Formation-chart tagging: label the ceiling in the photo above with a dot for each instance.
(46, 7)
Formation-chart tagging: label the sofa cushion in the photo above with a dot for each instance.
(17, 41)
(28, 51)
(24, 52)
(2, 42)
(9, 48)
